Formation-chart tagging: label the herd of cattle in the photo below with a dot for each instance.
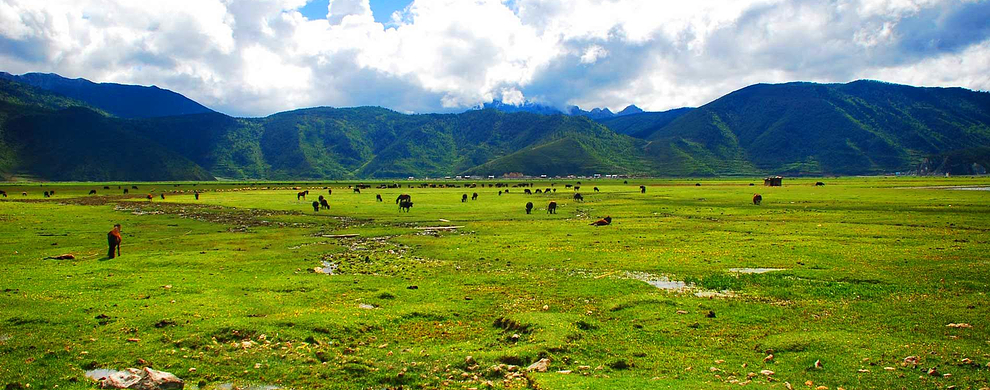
(404, 201)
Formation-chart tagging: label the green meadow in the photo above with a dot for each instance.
(864, 283)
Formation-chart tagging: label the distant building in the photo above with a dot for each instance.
(773, 181)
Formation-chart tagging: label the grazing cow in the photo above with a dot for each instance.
(757, 199)
(568, 186)
(596, 189)
(316, 206)
(529, 207)
(329, 191)
(301, 195)
(92, 192)
(464, 198)
(577, 188)
(46, 194)
(196, 194)
(24, 193)
(697, 184)
(474, 196)
(378, 197)
(539, 191)
(751, 184)
(126, 191)
(552, 207)
(405, 205)
(819, 184)
(602, 222)
(625, 182)
(528, 192)
(324, 203)
(150, 197)
(357, 190)
(52, 193)
(163, 195)
(578, 197)
(134, 187)
(106, 187)
(3, 193)
(546, 191)
(402, 198)
(642, 189)
(499, 192)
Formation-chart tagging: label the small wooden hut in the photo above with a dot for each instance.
(773, 181)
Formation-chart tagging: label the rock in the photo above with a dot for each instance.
(933, 372)
(142, 379)
(564, 372)
(768, 358)
(681, 312)
(911, 360)
(546, 307)
(959, 326)
(788, 386)
(540, 366)
(470, 361)
(766, 372)
(862, 371)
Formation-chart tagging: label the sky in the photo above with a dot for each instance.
(258, 57)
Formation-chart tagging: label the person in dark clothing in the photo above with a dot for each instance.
(113, 241)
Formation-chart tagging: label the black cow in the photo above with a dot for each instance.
(577, 188)
(757, 199)
(92, 192)
(528, 192)
(3, 193)
(134, 187)
(378, 197)
(329, 191)
(596, 189)
(555, 190)
(402, 198)
(405, 205)
(819, 184)
(642, 189)
(578, 197)
(697, 184)
(106, 187)
(464, 198)
(196, 194)
(474, 196)
(126, 191)
(568, 186)
(316, 206)
(552, 207)
(499, 192)
(539, 191)
(46, 194)
(529, 207)
(163, 195)
(357, 190)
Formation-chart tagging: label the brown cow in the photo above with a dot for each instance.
(405, 205)
(602, 222)
(757, 199)
(113, 241)
(301, 195)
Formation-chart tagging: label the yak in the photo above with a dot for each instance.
(474, 196)
(378, 197)
(552, 207)
(528, 192)
(539, 191)
(163, 195)
(106, 187)
(577, 188)
(402, 198)
(316, 206)
(196, 194)
(578, 197)
(499, 192)
(529, 207)
(464, 198)
(46, 194)
(329, 191)
(405, 205)
(126, 191)
(757, 199)
(92, 192)
(602, 222)
(3, 193)
(324, 203)
(819, 184)
(596, 189)
(357, 190)
(642, 189)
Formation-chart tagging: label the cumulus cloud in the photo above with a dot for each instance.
(256, 57)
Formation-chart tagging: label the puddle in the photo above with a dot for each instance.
(659, 281)
(100, 373)
(754, 270)
(327, 268)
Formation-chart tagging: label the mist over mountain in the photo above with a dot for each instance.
(863, 127)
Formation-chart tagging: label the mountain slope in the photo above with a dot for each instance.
(125, 101)
(643, 124)
(863, 127)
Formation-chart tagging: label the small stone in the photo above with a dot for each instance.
(540, 366)
(889, 368)
(133, 340)
(766, 372)
(681, 312)
(911, 360)
(787, 385)
(564, 372)
(862, 371)
(546, 307)
(933, 372)
(768, 358)
(960, 326)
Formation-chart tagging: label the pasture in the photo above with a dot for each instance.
(689, 287)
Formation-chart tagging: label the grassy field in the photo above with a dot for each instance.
(222, 291)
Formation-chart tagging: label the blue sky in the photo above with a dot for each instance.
(382, 9)
(258, 57)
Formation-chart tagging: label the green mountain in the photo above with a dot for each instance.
(862, 127)
(125, 101)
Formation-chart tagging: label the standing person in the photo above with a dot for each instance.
(113, 241)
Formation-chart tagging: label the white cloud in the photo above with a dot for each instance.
(255, 57)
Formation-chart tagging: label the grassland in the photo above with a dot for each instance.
(222, 291)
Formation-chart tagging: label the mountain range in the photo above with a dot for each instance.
(53, 128)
